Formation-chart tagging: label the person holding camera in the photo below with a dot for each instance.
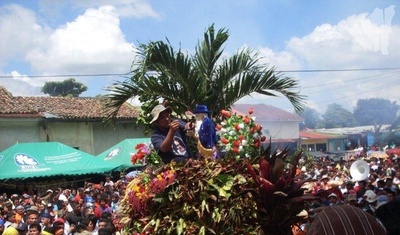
(169, 138)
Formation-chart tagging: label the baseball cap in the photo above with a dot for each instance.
(46, 215)
(332, 195)
(157, 110)
(351, 197)
(372, 197)
(32, 209)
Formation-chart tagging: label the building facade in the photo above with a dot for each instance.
(74, 121)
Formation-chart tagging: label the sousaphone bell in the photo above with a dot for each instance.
(359, 170)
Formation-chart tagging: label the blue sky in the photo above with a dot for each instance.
(68, 37)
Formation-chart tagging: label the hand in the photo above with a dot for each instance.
(190, 133)
(190, 126)
(174, 126)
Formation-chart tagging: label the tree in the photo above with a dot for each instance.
(206, 78)
(68, 87)
(336, 116)
(376, 111)
(311, 118)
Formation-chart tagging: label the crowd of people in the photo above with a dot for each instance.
(332, 182)
(373, 202)
(64, 211)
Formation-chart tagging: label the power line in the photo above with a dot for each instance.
(66, 75)
(376, 76)
(347, 84)
(124, 74)
(334, 70)
(382, 86)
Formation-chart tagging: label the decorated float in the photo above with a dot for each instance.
(250, 190)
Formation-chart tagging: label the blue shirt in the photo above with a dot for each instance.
(179, 150)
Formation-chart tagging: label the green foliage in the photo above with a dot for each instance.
(311, 118)
(67, 88)
(375, 111)
(184, 80)
(336, 116)
(228, 196)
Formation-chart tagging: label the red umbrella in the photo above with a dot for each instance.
(393, 151)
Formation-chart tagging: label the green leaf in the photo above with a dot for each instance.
(202, 230)
(240, 179)
(180, 226)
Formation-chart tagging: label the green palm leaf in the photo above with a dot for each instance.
(207, 77)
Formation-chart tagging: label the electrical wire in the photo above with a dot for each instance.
(124, 74)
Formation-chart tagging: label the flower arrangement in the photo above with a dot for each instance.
(249, 191)
(140, 193)
(146, 155)
(240, 136)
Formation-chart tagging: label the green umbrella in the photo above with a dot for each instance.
(27, 160)
(120, 154)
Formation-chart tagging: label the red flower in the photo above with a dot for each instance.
(251, 110)
(259, 127)
(246, 120)
(241, 137)
(225, 141)
(252, 130)
(237, 128)
(219, 127)
(263, 138)
(235, 150)
(226, 113)
(236, 143)
(140, 146)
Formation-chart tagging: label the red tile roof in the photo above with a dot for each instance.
(316, 135)
(58, 107)
(265, 112)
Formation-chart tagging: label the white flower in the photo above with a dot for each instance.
(223, 123)
(223, 130)
(255, 135)
(241, 125)
(244, 142)
(232, 132)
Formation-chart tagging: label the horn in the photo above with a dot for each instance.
(359, 170)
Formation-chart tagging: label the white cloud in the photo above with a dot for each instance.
(19, 32)
(92, 43)
(21, 85)
(282, 60)
(359, 41)
(355, 42)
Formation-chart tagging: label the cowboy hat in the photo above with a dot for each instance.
(157, 110)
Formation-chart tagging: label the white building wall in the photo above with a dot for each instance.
(12, 132)
(280, 129)
(90, 137)
(106, 137)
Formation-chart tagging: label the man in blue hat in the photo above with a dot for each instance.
(169, 137)
(207, 134)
